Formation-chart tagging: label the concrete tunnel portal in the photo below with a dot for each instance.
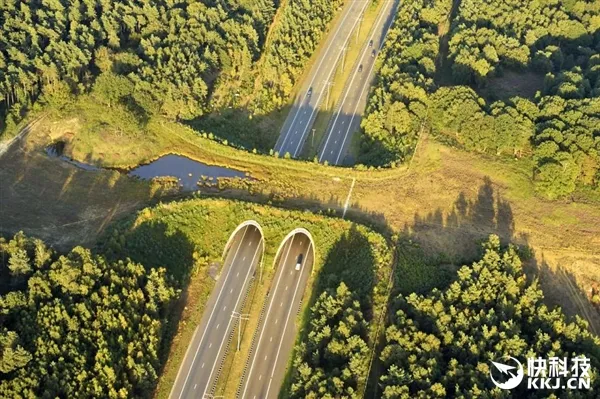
(299, 238)
(240, 231)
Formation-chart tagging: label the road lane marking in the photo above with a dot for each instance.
(281, 304)
(262, 331)
(286, 287)
(195, 386)
(210, 345)
(202, 365)
(285, 326)
(304, 130)
(265, 358)
(218, 326)
(212, 370)
(238, 274)
(210, 316)
(332, 41)
(244, 259)
(276, 320)
(366, 48)
(231, 290)
(385, 31)
(224, 308)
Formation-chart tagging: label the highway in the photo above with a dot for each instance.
(267, 363)
(304, 110)
(346, 119)
(200, 367)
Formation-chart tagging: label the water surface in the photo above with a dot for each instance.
(186, 170)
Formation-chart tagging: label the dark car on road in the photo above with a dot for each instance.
(373, 53)
(299, 261)
(371, 43)
(309, 92)
(360, 68)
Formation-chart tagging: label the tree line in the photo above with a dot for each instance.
(441, 344)
(558, 128)
(297, 34)
(333, 361)
(160, 57)
(78, 326)
(399, 99)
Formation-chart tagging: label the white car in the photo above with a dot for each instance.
(299, 262)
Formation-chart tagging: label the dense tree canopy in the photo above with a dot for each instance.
(334, 359)
(170, 52)
(440, 345)
(297, 34)
(399, 100)
(559, 127)
(77, 326)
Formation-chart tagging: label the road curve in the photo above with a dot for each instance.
(305, 108)
(267, 362)
(199, 369)
(346, 120)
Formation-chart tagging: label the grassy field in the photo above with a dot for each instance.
(188, 237)
(447, 201)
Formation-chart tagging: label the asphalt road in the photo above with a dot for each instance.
(200, 367)
(304, 111)
(266, 368)
(346, 119)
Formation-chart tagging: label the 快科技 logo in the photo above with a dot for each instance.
(551, 373)
(514, 372)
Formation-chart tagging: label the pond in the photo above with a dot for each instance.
(186, 170)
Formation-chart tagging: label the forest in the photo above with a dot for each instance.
(76, 325)
(100, 323)
(160, 57)
(439, 344)
(438, 66)
(186, 61)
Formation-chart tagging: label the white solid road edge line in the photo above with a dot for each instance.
(367, 81)
(341, 23)
(207, 324)
(286, 323)
(242, 292)
(328, 77)
(362, 56)
(262, 331)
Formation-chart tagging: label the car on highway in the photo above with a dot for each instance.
(371, 43)
(373, 53)
(309, 92)
(360, 68)
(299, 261)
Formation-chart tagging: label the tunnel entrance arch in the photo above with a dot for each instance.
(242, 225)
(287, 238)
